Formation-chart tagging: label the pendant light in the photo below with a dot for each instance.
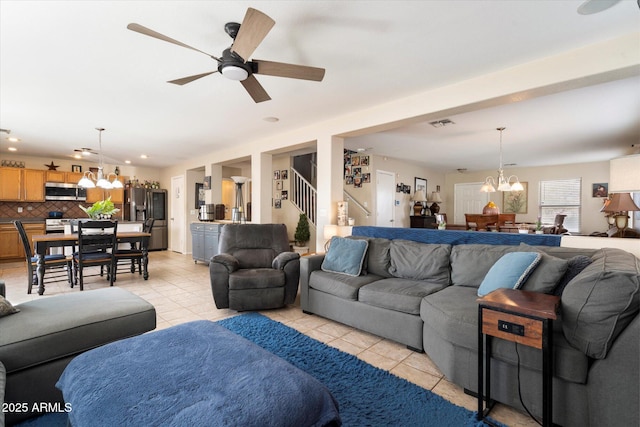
(503, 184)
(88, 178)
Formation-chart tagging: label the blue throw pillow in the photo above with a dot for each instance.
(345, 256)
(510, 271)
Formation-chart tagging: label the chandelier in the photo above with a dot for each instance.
(88, 178)
(503, 184)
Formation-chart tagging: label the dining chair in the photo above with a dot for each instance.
(58, 265)
(133, 256)
(480, 222)
(96, 247)
(506, 222)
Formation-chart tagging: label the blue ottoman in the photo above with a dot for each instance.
(198, 374)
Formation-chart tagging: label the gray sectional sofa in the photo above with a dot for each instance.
(424, 295)
(38, 342)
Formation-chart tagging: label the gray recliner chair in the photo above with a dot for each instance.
(254, 269)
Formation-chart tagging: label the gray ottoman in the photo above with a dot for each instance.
(37, 343)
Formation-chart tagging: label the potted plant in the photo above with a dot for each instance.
(302, 234)
(539, 226)
(102, 209)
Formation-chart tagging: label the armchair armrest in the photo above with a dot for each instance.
(281, 260)
(227, 261)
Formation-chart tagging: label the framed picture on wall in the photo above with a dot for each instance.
(76, 168)
(601, 189)
(516, 201)
(199, 194)
(276, 175)
(284, 174)
(421, 184)
(284, 194)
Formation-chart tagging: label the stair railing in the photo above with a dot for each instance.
(304, 196)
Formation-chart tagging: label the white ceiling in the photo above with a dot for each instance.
(67, 67)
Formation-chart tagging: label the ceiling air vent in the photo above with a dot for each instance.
(441, 123)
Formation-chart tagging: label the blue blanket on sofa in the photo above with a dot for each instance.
(195, 374)
(455, 237)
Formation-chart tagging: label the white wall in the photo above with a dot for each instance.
(589, 173)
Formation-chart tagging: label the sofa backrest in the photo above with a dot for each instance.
(420, 261)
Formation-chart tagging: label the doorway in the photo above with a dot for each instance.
(176, 220)
(468, 198)
(385, 198)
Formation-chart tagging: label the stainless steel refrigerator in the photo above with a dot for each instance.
(143, 203)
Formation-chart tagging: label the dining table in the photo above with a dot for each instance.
(43, 242)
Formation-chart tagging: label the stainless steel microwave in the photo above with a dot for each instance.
(64, 191)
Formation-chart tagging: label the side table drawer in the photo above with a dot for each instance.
(532, 328)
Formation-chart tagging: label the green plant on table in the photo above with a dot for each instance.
(102, 209)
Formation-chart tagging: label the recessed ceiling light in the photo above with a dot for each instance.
(128, 162)
(13, 139)
(13, 149)
(77, 156)
(143, 156)
(271, 119)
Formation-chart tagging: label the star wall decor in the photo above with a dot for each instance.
(52, 167)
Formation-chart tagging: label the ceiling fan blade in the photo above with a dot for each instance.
(280, 69)
(255, 89)
(149, 32)
(254, 28)
(185, 80)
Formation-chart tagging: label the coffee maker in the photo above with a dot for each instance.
(207, 213)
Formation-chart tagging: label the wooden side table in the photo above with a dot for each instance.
(522, 317)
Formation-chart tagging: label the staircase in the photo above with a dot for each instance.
(304, 196)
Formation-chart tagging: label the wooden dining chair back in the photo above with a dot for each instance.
(506, 222)
(480, 222)
(96, 247)
(133, 257)
(59, 266)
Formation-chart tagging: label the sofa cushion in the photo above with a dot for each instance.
(379, 257)
(345, 256)
(396, 294)
(601, 301)
(52, 328)
(340, 285)
(574, 267)
(510, 271)
(6, 308)
(547, 275)
(560, 251)
(470, 263)
(420, 261)
(453, 314)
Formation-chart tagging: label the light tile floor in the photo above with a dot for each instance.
(180, 291)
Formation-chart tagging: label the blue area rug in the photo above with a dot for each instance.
(367, 396)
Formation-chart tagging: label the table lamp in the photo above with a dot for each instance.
(418, 197)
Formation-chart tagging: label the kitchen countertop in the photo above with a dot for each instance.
(24, 220)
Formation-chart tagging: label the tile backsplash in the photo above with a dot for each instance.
(33, 210)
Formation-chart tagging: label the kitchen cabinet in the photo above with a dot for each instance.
(73, 177)
(18, 185)
(204, 240)
(10, 243)
(117, 194)
(55, 176)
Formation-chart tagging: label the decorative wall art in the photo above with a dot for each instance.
(516, 201)
(199, 194)
(601, 189)
(76, 168)
(284, 174)
(207, 182)
(354, 174)
(421, 184)
(276, 175)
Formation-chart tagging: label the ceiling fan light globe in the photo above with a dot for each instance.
(517, 187)
(233, 72)
(116, 184)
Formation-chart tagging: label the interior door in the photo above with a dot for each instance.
(468, 199)
(385, 198)
(177, 224)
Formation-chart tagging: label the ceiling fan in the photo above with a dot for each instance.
(235, 64)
